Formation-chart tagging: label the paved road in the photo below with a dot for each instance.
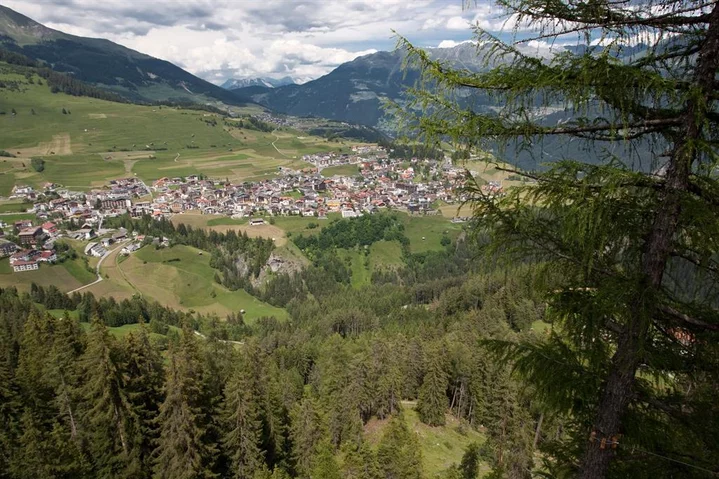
(97, 268)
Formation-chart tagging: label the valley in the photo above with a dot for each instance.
(483, 247)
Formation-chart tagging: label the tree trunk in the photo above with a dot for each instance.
(619, 386)
(538, 432)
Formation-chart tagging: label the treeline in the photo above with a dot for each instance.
(60, 82)
(110, 312)
(293, 401)
(14, 58)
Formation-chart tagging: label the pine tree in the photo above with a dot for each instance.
(432, 403)
(183, 451)
(242, 425)
(398, 453)
(109, 418)
(634, 254)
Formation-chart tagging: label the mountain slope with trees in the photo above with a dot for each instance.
(131, 74)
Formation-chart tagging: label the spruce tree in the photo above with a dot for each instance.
(432, 403)
(143, 374)
(633, 252)
(183, 450)
(242, 425)
(360, 462)
(308, 430)
(63, 371)
(10, 410)
(469, 467)
(324, 464)
(398, 453)
(110, 420)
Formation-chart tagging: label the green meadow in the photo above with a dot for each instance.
(85, 141)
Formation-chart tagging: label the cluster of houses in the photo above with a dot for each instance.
(35, 245)
(415, 186)
(411, 185)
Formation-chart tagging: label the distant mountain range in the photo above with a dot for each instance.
(353, 92)
(132, 74)
(236, 83)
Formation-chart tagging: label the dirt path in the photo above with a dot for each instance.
(277, 138)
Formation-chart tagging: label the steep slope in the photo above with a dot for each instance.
(132, 74)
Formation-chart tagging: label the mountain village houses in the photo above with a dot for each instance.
(415, 186)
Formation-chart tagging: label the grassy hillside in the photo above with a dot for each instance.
(66, 276)
(179, 277)
(96, 140)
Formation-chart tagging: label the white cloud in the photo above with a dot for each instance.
(457, 23)
(217, 39)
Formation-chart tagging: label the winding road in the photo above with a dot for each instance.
(97, 268)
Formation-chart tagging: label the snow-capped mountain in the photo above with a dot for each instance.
(235, 83)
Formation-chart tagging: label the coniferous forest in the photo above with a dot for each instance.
(573, 325)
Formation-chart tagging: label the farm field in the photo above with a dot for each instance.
(95, 140)
(179, 277)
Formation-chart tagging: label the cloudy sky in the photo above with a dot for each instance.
(220, 39)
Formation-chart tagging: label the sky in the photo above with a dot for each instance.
(304, 39)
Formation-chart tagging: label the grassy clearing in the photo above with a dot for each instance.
(60, 313)
(12, 217)
(450, 211)
(5, 267)
(222, 224)
(385, 254)
(299, 224)
(425, 232)
(123, 331)
(441, 446)
(355, 259)
(181, 278)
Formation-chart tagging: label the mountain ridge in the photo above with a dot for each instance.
(132, 74)
(354, 91)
